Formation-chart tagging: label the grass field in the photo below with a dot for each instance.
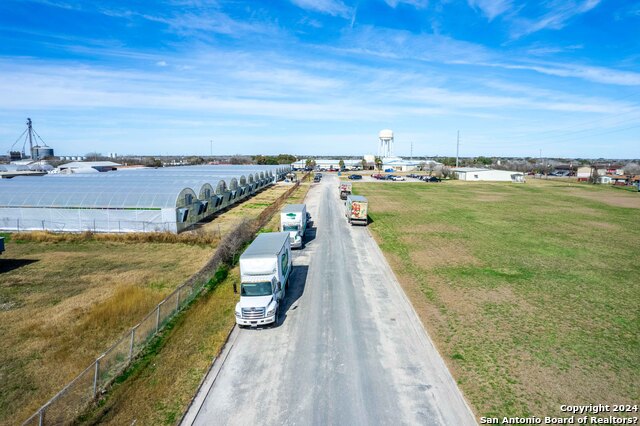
(65, 298)
(531, 292)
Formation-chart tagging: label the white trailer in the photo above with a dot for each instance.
(265, 267)
(293, 219)
(356, 208)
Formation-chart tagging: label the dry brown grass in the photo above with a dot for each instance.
(65, 302)
(158, 391)
(617, 199)
(194, 237)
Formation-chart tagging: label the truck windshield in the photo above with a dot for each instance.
(256, 289)
(290, 228)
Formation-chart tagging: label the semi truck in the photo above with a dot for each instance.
(356, 208)
(265, 267)
(293, 219)
(345, 190)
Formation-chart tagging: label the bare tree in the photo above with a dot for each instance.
(632, 169)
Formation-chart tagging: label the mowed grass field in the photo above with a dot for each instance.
(531, 292)
(66, 299)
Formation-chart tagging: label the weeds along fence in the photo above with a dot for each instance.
(72, 401)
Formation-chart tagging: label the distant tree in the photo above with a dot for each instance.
(422, 166)
(286, 159)
(485, 161)
(449, 161)
(593, 177)
(365, 165)
(195, 160)
(93, 156)
(446, 172)
(239, 159)
(341, 164)
(152, 162)
(378, 162)
(632, 169)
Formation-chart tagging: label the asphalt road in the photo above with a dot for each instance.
(349, 349)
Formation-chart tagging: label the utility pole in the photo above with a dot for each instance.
(458, 148)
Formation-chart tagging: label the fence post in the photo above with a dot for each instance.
(18, 220)
(158, 316)
(133, 339)
(178, 299)
(41, 416)
(96, 376)
(119, 226)
(43, 225)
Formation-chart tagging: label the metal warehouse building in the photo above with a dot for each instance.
(480, 174)
(137, 200)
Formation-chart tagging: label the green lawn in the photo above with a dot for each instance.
(531, 292)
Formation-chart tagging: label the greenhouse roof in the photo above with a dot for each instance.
(140, 188)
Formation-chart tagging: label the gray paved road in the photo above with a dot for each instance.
(349, 350)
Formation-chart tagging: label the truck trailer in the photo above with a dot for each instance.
(356, 208)
(345, 190)
(265, 267)
(293, 219)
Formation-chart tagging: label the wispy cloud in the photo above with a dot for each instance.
(329, 7)
(214, 22)
(491, 8)
(418, 4)
(556, 18)
(589, 73)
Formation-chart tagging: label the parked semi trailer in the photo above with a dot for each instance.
(293, 219)
(345, 190)
(265, 267)
(356, 209)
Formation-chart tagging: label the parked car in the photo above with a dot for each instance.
(377, 176)
(389, 170)
(432, 179)
(399, 178)
(355, 177)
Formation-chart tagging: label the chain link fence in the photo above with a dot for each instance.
(68, 404)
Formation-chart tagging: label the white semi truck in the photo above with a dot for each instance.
(265, 267)
(293, 219)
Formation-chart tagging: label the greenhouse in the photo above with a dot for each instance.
(130, 200)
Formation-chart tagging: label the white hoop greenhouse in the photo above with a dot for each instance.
(129, 200)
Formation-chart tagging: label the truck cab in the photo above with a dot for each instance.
(259, 302)
(293, 219)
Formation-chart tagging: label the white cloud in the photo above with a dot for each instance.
(418, 4)
(491, 8)
(329, 7)
(555, 19)
(161, 63)
(589, 73)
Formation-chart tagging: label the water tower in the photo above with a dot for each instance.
(385, 149)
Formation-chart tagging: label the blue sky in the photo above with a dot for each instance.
(323, 76)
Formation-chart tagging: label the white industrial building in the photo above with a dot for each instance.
(481, 174)
(327, 163)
